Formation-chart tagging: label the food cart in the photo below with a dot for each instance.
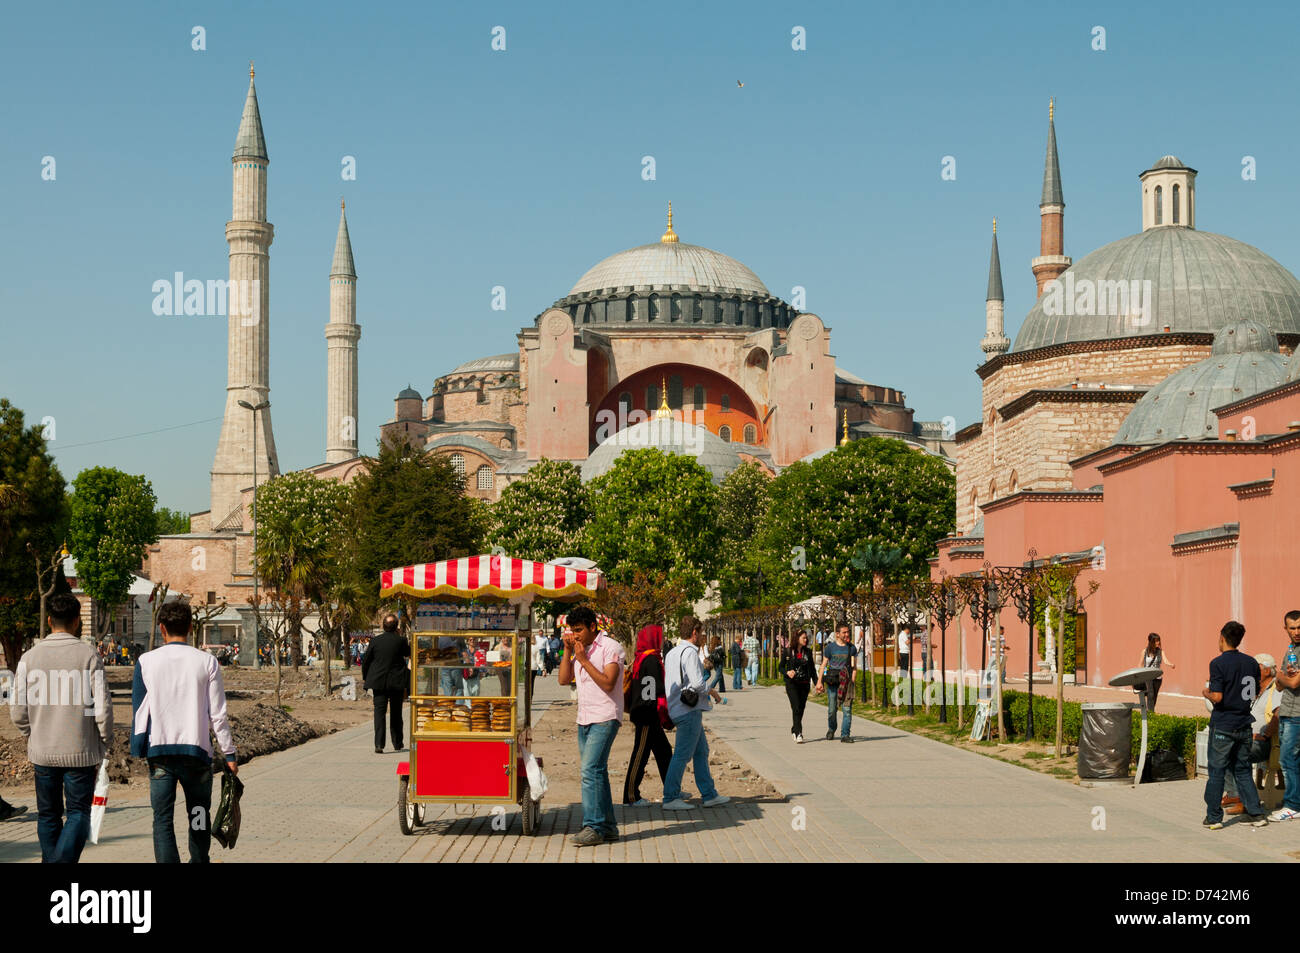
(471, 692)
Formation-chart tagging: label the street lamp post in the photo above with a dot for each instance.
(257, 635)
(911, 609)
(944, 607)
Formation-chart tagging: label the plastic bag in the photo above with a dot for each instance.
(537, 782)
(100, 803)
(225, 820)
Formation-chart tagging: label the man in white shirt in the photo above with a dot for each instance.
(750, 647)
(682, 670)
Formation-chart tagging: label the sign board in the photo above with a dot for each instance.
(981, 725)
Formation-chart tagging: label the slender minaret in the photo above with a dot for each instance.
(1051, 261)
(995, 341)
(341, 336)
(249, 236)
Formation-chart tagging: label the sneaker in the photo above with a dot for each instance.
(798, 739)
(1213, 825)
(678, 805)
(846, 740)
(379, 751)
(588, 837)
(640, 802)
(10, 811)
(610, 836)
(717, 800)
(1259, 820)
(1281, 814)
(830, 735)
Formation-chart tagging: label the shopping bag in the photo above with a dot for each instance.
(100, 803)
(225, 821)
(537, 781)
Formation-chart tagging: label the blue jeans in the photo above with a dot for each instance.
(691, 746)
(594, 742)
(737, 674)
(833, 705)
(1230, 752)
(751, 670)
(61, 842)
(1289, 738)
(195, 778)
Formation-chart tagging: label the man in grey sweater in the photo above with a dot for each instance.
(61, 706)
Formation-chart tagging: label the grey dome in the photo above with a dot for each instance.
(667, 436)
(497, 362)
(1169, 162)
(1181, 405)
(1244, 337)
(1200, 282)
(409, 393)
(668, 265)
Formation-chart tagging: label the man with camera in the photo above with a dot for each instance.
(684, 682)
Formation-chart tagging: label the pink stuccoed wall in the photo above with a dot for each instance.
(558, 413)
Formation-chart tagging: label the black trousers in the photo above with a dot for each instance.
(797, 692)
(393, 702)
(650, 739)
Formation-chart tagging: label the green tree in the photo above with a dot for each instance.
(299, 533)
(111, 524)
(872, 495)
(541, 516)
(33, 511)
(171, 522)
(407, 508)
(742, 504)
(655, 512)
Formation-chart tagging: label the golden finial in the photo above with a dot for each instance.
(995, 226)
(64, 551)
(670, 237)
(344, 205)
(845, 439)
(664, 412)
(250, 69)
(1051, 109)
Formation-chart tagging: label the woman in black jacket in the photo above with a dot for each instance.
(799, 669)
(647, 707)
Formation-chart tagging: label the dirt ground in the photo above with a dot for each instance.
(555, 739)
(258, 726)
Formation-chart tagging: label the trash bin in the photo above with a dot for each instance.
(1106, 740)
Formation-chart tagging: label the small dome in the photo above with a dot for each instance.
(667, 436)
(409, 393)
(1182, 404)
(1243, 337)
(1169, 162)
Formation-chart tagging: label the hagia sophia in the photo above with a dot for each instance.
(1154, 450)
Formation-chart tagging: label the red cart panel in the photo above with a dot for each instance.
(468, 769)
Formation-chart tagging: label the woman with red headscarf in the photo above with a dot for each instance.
(646, 704)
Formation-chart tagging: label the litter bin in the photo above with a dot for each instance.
(1106, 740)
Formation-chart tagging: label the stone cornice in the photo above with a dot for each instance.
(1252, 488)
(1104, 344)
(1087, 458)
(1069, 395)
(1043, 496)
(969, 432)
(1203, 447)
(1205, 540)
(1254, 400)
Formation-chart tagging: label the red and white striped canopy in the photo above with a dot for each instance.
(501, 576)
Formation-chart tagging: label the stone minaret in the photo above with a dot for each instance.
(1051, 261)
(249, 236)
(341, 336)
(995, 341)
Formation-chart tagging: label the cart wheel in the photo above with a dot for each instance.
(531, 811)
(409, 814)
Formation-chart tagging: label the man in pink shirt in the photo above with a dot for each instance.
(594, 662)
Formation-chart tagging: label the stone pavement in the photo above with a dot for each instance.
(892, 796)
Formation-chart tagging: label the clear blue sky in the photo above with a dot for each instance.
(523, 168)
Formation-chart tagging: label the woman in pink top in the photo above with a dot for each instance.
(594, 662)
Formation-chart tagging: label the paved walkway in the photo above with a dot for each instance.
(892, 796)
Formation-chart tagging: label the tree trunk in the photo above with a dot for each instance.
(1060, 683)
(997, 680)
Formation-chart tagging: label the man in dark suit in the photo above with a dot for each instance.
(384, 671)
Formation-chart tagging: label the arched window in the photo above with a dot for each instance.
(1014, 485)
(751, 434)
(725, 433)
(699, 396)
(1160, 210)
(652, 398)
(631, 308)
(1174, 217)
(726, 402)
(993, 490)
(625, 403)
(458, 464)
(675, 391)
(485, 477)
(655, 314)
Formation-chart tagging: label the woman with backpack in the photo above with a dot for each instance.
(717, 658)
(646, 704)
(799, 670)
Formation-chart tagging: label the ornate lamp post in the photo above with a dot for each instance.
(257, 635)
(943, 607)
(911, 609)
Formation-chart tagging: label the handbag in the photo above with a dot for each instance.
(690, 696)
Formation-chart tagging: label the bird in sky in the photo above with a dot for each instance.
(739, 84)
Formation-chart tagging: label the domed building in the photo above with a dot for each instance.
(663, 324)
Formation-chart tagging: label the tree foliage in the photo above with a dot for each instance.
(33, 510)
(743, 498)
(171, 522)
(654, 512)
(871, 496)
(541, 516)
(645, 599)
(111, 523)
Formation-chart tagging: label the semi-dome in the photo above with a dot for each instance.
(668, 436)
(497, 362)
(1181, 406)
(670, 266)
(1200, 282)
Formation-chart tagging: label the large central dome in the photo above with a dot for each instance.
(1200, 282)
(665, 266)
